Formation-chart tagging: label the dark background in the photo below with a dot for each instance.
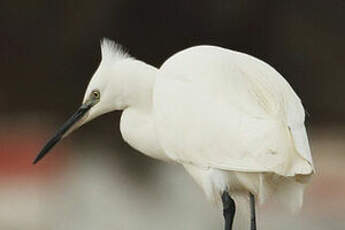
(50, 49)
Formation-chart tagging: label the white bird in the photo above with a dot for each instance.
(231, 120)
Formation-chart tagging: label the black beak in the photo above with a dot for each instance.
(63, 130)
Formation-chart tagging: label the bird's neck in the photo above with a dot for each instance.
(138, 85)
(137, 124)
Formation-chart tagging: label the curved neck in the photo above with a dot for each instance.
(138, 84)
(137, 122)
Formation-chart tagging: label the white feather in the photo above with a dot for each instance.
(112, 51)
(232, 121)
(221, 109)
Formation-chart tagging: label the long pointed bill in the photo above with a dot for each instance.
(64, 130)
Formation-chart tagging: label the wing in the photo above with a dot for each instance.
(223, 109)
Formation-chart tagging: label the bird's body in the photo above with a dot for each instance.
(231, 120)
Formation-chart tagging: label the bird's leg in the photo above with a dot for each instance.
(228, 210)
(252, 212)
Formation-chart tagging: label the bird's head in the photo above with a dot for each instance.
(103, 94)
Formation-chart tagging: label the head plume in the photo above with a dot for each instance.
(112, 51)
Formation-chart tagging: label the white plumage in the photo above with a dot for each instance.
(223, 109)
(231, 120)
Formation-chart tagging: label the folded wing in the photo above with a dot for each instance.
(223, 109)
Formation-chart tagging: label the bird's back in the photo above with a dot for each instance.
(223, 109)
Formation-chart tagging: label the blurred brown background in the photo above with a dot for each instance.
(93, 180)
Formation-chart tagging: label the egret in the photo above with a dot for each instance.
(231, 120)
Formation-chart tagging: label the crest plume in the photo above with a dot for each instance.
(112, 51)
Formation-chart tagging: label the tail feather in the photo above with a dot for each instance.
(288, 191)
(290, 194)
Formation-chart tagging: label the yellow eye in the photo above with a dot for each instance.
(95, 94)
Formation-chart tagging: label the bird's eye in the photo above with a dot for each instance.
(95, 94)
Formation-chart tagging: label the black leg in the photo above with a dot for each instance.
(252, 212)
(228, 210)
